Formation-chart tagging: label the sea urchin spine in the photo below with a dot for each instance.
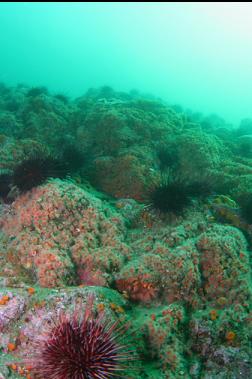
(80, 346)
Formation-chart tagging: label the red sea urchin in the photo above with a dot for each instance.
(80, 346)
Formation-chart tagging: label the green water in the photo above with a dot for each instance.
(196, 55)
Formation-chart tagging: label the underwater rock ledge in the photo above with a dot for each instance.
(177, 275)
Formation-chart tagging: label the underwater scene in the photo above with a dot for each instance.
(125, 191)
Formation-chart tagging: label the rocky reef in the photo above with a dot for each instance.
(180, 283)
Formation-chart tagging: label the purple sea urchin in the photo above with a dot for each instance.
(5, 184)
(34, 170)
(175, 194)
(170, 197)
(80, 346)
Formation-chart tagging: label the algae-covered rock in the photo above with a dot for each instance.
(199, 152)
(181, 283)
(224, 265)
(124, 176)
